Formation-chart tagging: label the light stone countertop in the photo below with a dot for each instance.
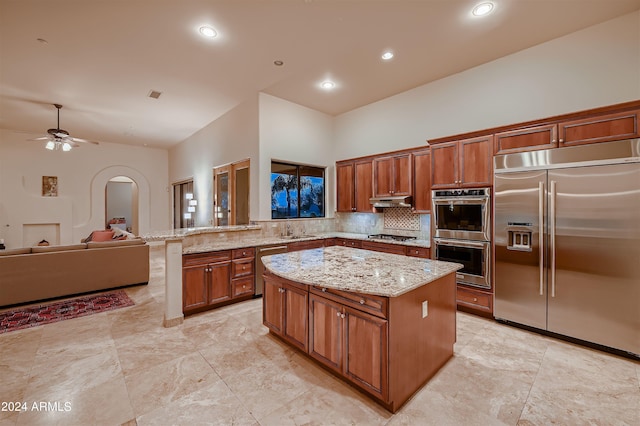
(258, 241)
(357, 270)
(186, 232)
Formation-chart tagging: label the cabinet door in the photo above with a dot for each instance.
(402, 172)
(194, 287)
(444, 165)
(383, 172)
(344, 187)
(272, 305)
(367, 352)
(422, 181)
(220, 284)
(296, 311)
(363, 186)
(528, 139)
(476, 158)
(599, 129)
(326, 332)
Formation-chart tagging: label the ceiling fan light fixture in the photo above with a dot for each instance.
(50, 145)
(66, 147)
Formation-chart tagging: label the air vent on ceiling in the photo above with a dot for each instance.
(154, 94)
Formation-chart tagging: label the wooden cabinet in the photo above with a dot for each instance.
(474, 300)
(462, 164)
(384, 247)
(422, 252)
(346, 242)
(285, 309)
(602, 128)
(422, 181)
(527, 139)
(392, 175)
(581, 131)
(354, 186)
(217, 278)
(351, 342)
(305, 245)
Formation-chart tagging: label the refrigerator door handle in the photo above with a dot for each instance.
(552, 225)
(541, 234)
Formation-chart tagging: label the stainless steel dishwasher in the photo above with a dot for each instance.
(265, 251)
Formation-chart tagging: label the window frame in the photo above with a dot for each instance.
(299, 198)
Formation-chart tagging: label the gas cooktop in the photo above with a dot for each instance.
(391, 237)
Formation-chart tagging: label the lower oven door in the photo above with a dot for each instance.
(473, 255)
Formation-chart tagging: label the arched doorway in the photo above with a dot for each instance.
(121, 204)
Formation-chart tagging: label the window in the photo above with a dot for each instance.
(296, 191)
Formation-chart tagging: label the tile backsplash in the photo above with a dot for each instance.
(401, 218)
(398, 221)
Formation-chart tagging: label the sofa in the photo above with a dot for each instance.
(37, 273)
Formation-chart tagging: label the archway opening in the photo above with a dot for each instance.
(121, 204)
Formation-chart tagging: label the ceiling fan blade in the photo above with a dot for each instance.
(83, 140)
(43, 138)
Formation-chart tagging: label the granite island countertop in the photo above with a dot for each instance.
(357, 270)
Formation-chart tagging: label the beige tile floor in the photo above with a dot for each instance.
(222, 367)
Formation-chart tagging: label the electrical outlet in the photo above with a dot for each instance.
(425, 308)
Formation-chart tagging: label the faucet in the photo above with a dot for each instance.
(288, 229)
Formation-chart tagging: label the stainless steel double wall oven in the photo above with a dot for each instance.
(462, 232)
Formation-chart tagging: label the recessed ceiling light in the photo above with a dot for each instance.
(278, 63)
(327, 85)
(387, 55)
(482, 9)
(208, 31)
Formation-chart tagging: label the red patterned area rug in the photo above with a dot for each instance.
(33, 316)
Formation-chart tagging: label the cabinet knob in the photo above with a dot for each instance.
(475, 299)
(244, 253)
(244, 267)
(324, 290)
(244, 286)
(337, 314)
(362, 301)
(341, 315)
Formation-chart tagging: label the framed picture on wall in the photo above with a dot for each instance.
(49, 186)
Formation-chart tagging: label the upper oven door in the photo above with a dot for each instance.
(464, 218)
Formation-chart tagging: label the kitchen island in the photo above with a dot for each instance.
(385, 323)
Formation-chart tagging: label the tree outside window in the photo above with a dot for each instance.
(296, 191)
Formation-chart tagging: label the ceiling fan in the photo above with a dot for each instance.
(60, 139)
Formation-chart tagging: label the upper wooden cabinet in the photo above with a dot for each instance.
(422, 181)
(392, 175)
(599, 128)
(462, 164)
(602, 128)
(354, 186)
(527, 139)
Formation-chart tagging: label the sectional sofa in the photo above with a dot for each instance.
(38, 273)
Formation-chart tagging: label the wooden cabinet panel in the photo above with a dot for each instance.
(363, 186)
(243, 253)
(392, 175)
(194, 288)
(422, 181)
(205, 258)
(384, 247)
(602, 128)
(476, 162)
(527, 139)
(325, 332)
(296, 303)
(444, 165)
(348, 242)
(374, 305)
(220, 282)
(366, 360)
(272, 305)
(475, 300)
(242, 267)
(305, 245)
(242, 287)
(345, 188)
(419, 252)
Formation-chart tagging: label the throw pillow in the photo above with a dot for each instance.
(101, 235)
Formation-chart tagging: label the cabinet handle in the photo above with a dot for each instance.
(561, 140)
(337, 314)
(362, 301)
(342, 316)
(324, 290)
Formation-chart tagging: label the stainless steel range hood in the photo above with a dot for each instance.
(393, 201)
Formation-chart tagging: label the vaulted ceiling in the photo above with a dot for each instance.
(100, 59)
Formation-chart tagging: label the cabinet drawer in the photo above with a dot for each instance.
(348, 243)
(241, 267)
(242, 287)
(474, 299)
(384, 247)
(305, 245)
(419, 252)
(375, 305)
(244, 253)
(205, 258)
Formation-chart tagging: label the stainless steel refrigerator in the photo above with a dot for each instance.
(567, 242)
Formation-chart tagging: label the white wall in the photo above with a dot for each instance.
(82, 175)
(590, 68)
(230, 138)
(292, 133)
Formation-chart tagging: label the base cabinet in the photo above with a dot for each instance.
(384, 346)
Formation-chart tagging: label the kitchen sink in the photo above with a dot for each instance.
(297, 237)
